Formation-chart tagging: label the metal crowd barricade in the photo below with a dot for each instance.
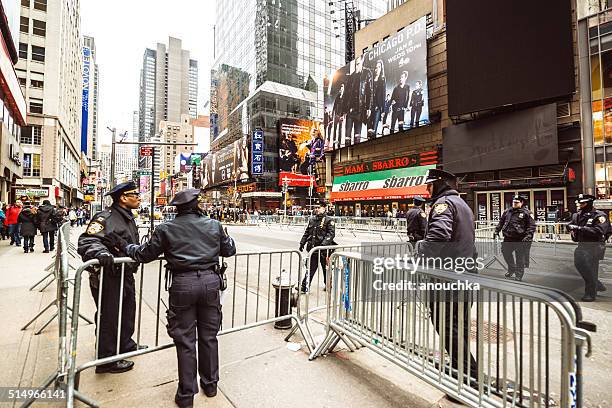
(485, 341)
(249, 302)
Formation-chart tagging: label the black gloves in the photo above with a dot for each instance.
(573, 227)
(301, 247)
(115, 241)
(106, 261)
(496, 235)
(527, 238)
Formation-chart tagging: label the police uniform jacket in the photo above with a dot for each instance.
(114, 219)
(320, 231)
(450, 228)
(190, 242)
(516, 224)
(594, 224)
(416, 223)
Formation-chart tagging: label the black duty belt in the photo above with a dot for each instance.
(171, 272)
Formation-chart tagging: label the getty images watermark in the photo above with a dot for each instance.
(412, 264)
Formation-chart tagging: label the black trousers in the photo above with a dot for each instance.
(317, 257)
(586, 261)
(28, 242)
(515, 254)
(195, 315)
(415, 116)
(452, 335)
(109, 312)
(353, 127)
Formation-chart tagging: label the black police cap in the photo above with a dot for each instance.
(585, 198)
(519, 198)
(123, 188)
(185, 196)
(437, 174)
(418, 200)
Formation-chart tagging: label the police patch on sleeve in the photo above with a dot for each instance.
(423, 215)
(94, 228)
(440, 208)
(601, 219)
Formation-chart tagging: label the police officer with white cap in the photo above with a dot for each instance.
(590, 228)
(118, 220)
(191, 244)
(416, 220)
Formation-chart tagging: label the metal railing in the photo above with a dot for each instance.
(488, 343)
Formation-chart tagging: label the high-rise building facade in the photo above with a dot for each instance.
(12, 103)
(271, 60)
(168, 89)
(50, 72)
(89, 126)
(177, 133)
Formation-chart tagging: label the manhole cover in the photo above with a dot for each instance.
(491, 332)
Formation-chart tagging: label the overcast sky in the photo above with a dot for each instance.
(123, 29)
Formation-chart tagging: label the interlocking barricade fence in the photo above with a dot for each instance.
(248, 302)
(486, 341)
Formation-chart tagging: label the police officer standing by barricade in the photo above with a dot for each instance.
(119, 220)
(449, 234)
(192, 245)
(320, 231)
(416, 220)
(517, 226)
(590, 228)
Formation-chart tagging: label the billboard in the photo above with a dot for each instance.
(384, 91)
(257, 150)
(228, 164)
(301, 146)
(85, 99)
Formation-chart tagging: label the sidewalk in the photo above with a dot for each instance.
(256, 369)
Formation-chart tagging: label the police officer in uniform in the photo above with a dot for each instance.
(517, 226)
(416, 220)
(119, 220)
(320, 231)
(590, 228)
(191, 244)
(449, 234)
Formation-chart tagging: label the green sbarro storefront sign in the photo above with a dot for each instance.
(381, 185)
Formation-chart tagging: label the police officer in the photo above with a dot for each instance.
(320, 231)
(449, 234)
(191, 244)
(517, 226)
(590, 228)
(416, 220)
(117, 219)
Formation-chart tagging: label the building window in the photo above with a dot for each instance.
(39, 27)
(38, 53)
(31, 135)
(31, 165)
(25, 3)
(37, 84)
(36, 107)
(22, 81)
(23, 51)
(24, 25)
(40, 5)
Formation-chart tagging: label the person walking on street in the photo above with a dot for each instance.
(320, 231)
(416, 220)
(28, 219)
(12, 221)
(47, 224)
(3, 229)
(192, 245)
(450, 235)
(118, 219)
(517, 226)
(591, 229)
(72, 215)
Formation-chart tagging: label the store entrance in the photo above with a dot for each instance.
(542, 202)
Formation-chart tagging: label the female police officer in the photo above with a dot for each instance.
(191, 244)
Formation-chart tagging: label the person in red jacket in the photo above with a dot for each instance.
(12, 214)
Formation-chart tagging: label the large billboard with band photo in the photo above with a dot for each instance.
(301, 147)
(228, 164)
(384, 91)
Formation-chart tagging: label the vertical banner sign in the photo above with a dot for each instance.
(257, 149)
(85, 106)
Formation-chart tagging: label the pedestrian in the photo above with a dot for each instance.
(416, 220)
(320, 231)
(3, 230)
(80, 217)
(12, 222)
(117, 218)
(517, 225)
(48, 224)
(450, 235)
(591, 229)
(191, 244)
(72, 215)
(28, 219)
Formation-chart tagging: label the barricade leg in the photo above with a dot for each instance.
(53, 302)
(41, 281)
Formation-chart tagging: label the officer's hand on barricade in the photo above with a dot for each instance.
(115, 241)
(301, 248)
(527, 239)
(106, 260)
(496, 235)
(573, 227)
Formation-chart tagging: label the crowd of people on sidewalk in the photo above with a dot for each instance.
(21, 222)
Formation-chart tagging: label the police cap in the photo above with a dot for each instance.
(437, 174)
(585, 198)
(123, 188)
(418, 200)
(519, 198)
(185, 196)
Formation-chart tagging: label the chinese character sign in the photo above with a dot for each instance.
(257, 149)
